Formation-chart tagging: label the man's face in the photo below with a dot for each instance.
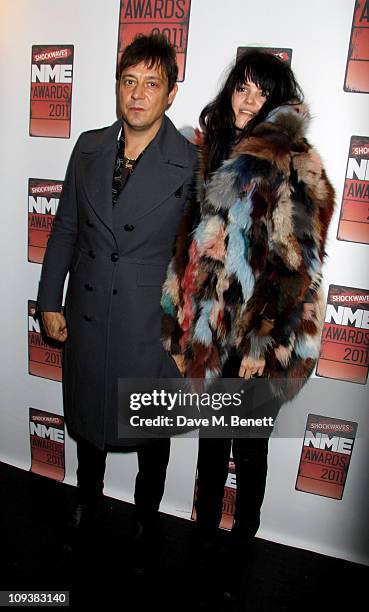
(144, 96)
(247, 100)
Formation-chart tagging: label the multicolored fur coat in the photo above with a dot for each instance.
(248, 256)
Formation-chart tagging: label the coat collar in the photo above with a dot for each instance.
(99, 150)
(171, 145)
(162, 169)
(284, 126)
(264, 155)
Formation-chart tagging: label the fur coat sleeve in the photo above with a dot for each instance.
(249, 257)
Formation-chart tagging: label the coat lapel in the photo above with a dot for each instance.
(163, 169)
(98, 166)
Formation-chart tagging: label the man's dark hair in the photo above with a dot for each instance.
(155, 50)
(272, 76)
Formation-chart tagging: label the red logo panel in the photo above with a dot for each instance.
(325, 456)
(357, 68)
(43, 201)
(169, 17)
(45, 360)
(51, 91)
(344, 351)
(229, 499)
(354, 219)
(47, 444)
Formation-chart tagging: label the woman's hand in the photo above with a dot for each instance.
(250, 367)
(309, 312)
(180, 362)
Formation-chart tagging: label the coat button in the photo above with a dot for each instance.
(87, 318)
(115, 292)
(128, 227)
(114, 257)
(91, 254)
(89, 223)
(89, 287)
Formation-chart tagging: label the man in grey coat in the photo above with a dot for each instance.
(114, 233)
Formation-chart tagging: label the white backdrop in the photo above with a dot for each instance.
(318, 32)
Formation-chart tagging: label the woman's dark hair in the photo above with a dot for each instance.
(217, 120)
(154, 50)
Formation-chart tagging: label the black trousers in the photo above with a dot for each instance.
(250, 456)
(150, 481)
(250, 459)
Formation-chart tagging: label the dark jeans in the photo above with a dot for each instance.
(150, 481)
(250, 456)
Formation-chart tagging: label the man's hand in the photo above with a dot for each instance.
(55, 325)
(250, 367)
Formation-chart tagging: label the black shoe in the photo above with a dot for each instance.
(82, 519)
(207, 567)
(207, 552)
(205, 539)
(238, 572)
(145, 544)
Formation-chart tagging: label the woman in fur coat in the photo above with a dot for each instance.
(243, 291)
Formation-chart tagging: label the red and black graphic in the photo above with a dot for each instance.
(168, 17)
(47, 444)
(45, 360)
(43, 201)
(51, 90)
(354, 220)
(229, 499)
(344, 351)
(325, 456)
(284, 54)
(357, 68)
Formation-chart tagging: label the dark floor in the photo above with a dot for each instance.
(272, 578)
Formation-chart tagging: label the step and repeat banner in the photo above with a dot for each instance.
(59, 73)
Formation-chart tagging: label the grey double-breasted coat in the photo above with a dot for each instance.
(117, 261)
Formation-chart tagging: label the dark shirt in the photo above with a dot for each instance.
(123, 169)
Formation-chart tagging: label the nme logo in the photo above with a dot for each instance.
(344, 315)
(354, 218)
(43, 202)
(344, 350)
(358, 169)
(231, 480)
(52, 74)
(49, 433)
(42, 205)
(33, 324)
(324, 442)
(325, 456)
(51, 91)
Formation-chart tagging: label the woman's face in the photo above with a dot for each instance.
(247, 100)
